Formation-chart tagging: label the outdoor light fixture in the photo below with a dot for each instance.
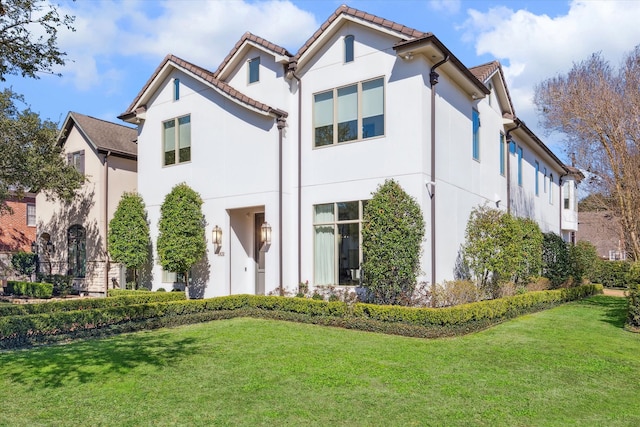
(34, 247)
(216, 238)
(265, 236)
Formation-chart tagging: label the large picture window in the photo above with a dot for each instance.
(349, 113)
(337, 244)
(177, 140)
(76, 250)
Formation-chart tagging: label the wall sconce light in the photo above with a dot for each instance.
(34, 247)
(216, 238)
(408, 56)
(265, 236)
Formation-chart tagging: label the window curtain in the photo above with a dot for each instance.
(324, 251)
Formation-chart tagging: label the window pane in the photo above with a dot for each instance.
(176, 89)
(254, 70)
(373, 108)
(348, 49)
(349, 253)
(169, 142)
(323, 118)
(476, 134)
(324, 255)
(31, 214)
(519, 165)
(184, 132)
(348, 113)
(502, 147)
(537, 184)
(323, 213)
(348, 211)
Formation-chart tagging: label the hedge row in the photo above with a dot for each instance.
(633, 307)
(89, 303)
(29, 289)
(120, 292)
(23, 330)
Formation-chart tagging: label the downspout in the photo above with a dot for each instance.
(293, 66)
(106, 223)
(433, 79)
(281, 123)
(508, 139)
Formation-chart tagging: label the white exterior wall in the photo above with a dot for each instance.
(233, 166)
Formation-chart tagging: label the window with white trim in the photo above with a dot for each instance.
(338, 243)
(31, 215)
(176, 136)
(349, 113)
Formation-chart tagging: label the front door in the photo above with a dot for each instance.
(258, 255)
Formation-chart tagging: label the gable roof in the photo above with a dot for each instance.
(400, 30)
(247, 40)
(486, 72)
(102, 135)
(138, 106)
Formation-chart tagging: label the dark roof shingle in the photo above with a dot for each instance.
(106, 136)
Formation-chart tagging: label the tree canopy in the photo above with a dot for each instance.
(30, 159)
(129, 241)
(597, 108)
(181, 242)
(29, 37)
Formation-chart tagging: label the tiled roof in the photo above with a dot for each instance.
(410, 33)
(207, 76)
(484, 71)
(259, 41)
(105, 136)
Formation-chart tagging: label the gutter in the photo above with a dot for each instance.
(433, 79)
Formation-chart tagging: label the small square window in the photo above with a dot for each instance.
(254, 70)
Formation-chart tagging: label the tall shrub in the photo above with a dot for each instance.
(129, 240)
(181, 242)
(530, 242)
(584, 261)
(556, 262)
(392, 233)
(24, 262)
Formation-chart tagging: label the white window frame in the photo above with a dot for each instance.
(176, 150)
(31, 216)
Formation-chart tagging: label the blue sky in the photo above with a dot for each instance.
(118, 44)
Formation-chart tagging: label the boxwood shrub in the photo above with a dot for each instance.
(130, 314)
(29, 289)
(633, 307)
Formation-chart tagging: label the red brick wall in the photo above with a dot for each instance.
(15, 234)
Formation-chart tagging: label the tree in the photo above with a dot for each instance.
(29, 37)
(24, 262)
(129, 239)
(181, 242)
(597, 108)
(30, 159)
(556, 261)
(392, 233)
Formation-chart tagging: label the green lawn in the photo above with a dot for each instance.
(573, 365)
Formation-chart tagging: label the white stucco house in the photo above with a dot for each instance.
(72, 237)
(295, 143)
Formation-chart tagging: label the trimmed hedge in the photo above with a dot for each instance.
(633, 307)
(89, 303)
(30, 289)
(21, 330)
(120, 292)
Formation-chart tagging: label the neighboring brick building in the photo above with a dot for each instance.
(17, 231)
(603, 230)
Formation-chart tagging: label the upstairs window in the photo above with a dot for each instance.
(545, 180)
(348, 48)
(476, 134)
(520, 154)
(349, 113)
(31, 215)
(502, 154)
(566, 195)
(76, 159)
(537, 183)
(551, 189)
(177, 140)
(254, 70)
(176, 89)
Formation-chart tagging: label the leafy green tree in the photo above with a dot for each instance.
(29, 37)
(392, 233)
(24, 262)
(129, 240)
(181, 242)
(530, 242)
(556, 261)
(30, 159)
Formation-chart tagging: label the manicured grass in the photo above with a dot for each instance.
(573, 365)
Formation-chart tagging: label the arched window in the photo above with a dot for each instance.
(348, 49)
(77, 252)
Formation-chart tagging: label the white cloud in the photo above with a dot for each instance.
(536, 47)
(447, 6)
(199, 31)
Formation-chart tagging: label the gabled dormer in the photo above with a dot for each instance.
(498, 98)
